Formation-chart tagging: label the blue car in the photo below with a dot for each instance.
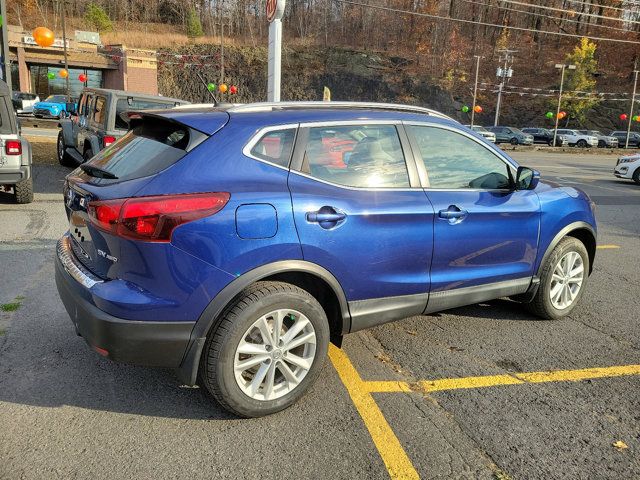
(54, 106)
(234, 243)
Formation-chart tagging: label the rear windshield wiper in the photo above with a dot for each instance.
(97, 171)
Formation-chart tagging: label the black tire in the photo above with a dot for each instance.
(217, 361)
(88, 154)
(513, 141)
(636, 176)
(541, 304)
(23, 191)
(63, 157)
(601, 144)
(581, 143)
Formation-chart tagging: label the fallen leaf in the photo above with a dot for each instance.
(620, 445)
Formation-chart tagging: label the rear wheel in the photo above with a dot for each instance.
(562, 280)
(266, 351)
(23, 191)
(63, 158)
(601, 144)
(513, 141)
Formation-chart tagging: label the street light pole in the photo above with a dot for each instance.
(633, 101)
(562, 67)
(475, 89)
(4, 51)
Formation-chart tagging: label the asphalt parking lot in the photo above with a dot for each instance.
(485, 391)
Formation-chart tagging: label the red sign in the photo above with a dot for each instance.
(271, 9)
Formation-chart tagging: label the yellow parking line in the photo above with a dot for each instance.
(427, 386)
(607, 247)
(393, 455)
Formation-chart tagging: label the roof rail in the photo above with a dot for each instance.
(269, 106)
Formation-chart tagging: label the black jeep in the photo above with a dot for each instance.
(98, 123)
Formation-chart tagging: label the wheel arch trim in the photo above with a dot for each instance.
(562, 234)
(188, 370)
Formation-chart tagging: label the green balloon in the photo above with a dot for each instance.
(51, 75)
(465, 109)
(211, 87)
(549, 114)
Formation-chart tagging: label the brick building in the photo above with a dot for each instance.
(109, 66)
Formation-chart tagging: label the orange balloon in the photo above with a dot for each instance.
(477, 109)
(43, 36)
(63, 73)
(223, 88)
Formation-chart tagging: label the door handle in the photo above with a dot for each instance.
(454, 214)
(326, 217)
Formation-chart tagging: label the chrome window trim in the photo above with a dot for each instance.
(256, 137)
(370, 189)
(341, 123)
(421, 168)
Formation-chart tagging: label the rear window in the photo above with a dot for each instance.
(148, 148)
(126, 104)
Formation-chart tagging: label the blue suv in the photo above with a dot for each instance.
(233, 243)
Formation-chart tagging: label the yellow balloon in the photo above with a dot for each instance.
(63, 73)
(223, 88)
(43, 36)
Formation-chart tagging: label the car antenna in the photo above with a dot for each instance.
(215, 102)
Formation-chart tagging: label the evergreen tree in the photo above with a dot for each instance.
(582, 79)
(97, 17)
(194, 27)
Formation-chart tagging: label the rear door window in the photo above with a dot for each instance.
(365, 156)
(100, 111)
(148, 148)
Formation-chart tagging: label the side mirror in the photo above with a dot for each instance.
(527, 178)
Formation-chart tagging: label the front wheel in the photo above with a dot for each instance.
(513, 141)
(636, 176)
(266, 350)
(582, 144)
(562, 280)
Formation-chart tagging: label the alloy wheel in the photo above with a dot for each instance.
(566, 280)
(275, 354)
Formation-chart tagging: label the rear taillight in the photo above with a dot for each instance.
(108, 140)
(154, 218)
(13, 147)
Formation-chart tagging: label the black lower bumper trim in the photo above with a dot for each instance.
(158, 344)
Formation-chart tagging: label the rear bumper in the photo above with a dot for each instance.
(159, 344)
(15, 175)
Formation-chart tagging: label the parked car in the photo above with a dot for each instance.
(628, 167)
(577, 139)
(15, 152)
(23, 102)
(192, 246)
(511, 135)
(621, 135)
(544, 135)
(98, 121)
(484, 132)
(604, 141)
(54, 106)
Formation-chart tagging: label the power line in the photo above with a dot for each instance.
(536, 14)
(562, 10)
(486, 24)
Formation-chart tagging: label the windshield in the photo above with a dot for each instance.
(516, 130)
(56, 99)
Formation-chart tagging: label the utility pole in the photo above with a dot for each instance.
(221, 50)
(633, 101)
(562, 67)
(5, 66)
(475, 89)
(504, 73)
(64, 46)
